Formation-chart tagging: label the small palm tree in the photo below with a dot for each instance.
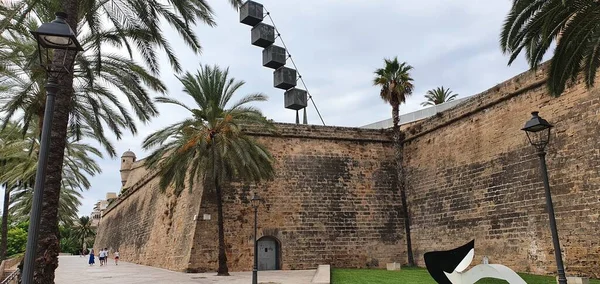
(396, 84)
(83, 230)
(438, 96)
(211, 146)
(534, 25)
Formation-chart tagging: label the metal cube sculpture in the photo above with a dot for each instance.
(251, 13)
(295, 99)
(284, 78)
(274, 56)
(263, 35)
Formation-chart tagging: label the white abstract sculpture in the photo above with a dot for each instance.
(482, 271)
(448, 267)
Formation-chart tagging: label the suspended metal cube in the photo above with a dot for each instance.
(295, 99)
(251, 13)
(284, 78)
(274, 56)
(263, 35)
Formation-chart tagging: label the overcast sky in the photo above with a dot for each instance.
(337, 44)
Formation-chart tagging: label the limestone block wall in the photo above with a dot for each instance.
(471, 174)
(332, 202)
(149, 227)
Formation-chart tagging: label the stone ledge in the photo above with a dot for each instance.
(323, 275)
(393, 266)
(576, 280)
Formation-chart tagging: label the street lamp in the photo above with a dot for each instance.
(255, 203)
(538, 133)
(57, 48)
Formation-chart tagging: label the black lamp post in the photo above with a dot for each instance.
(255, 203)
(57, 48)
(538, 133)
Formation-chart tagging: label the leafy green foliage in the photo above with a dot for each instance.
(395, 81)
(83, 231)
(17, 239)
(74, 237)
(417, 276)
(533, 25)
(68, 243)
(211, 144)
(132, 25)
(95, 107)
(438, 96)
(20, 154)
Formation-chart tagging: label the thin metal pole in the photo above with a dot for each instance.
(40, 178)
(557, 253)
(255, 268)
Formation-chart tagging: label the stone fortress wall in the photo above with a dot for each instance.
(470, 174)
(333, 201)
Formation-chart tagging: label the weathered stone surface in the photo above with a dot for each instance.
(471, 173)
(332, 202)
(393, 266)
(576, 280)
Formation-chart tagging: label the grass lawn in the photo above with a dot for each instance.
(415, 276)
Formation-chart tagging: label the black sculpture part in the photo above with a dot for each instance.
(438, 262)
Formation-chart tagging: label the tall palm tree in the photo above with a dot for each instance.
(438, 96)
(94, 100)
(534, 25)
(22, 199)
(211, 147)
(7, 136)
(19, 154)
(83, 229)
(396, 84)
(132, 25)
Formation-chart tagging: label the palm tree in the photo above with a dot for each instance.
(535, 25)
(94, 101)
(211, 146)
(19, 154)
(134, 24)
(83, 229)
(7, 136)
(396, 84)
(22, 199)
(438, 96)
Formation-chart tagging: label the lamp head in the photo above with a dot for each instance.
(255, 201)
(57, 35)
(538, 131)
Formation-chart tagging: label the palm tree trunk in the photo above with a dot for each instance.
(223, 269)
(4, 243)
(401, 179)
(48, 245)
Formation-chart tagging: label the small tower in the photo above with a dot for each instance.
(127, 160)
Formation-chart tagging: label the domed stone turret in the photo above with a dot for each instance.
(127, 160)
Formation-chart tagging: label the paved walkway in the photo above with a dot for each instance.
(74, 269)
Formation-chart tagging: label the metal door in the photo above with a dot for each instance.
(267, 254)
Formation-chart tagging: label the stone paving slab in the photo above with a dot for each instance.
(74, 269)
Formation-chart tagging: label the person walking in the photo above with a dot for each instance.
(101, 257)
(105, 256)
(116, 257)
(91, 261)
